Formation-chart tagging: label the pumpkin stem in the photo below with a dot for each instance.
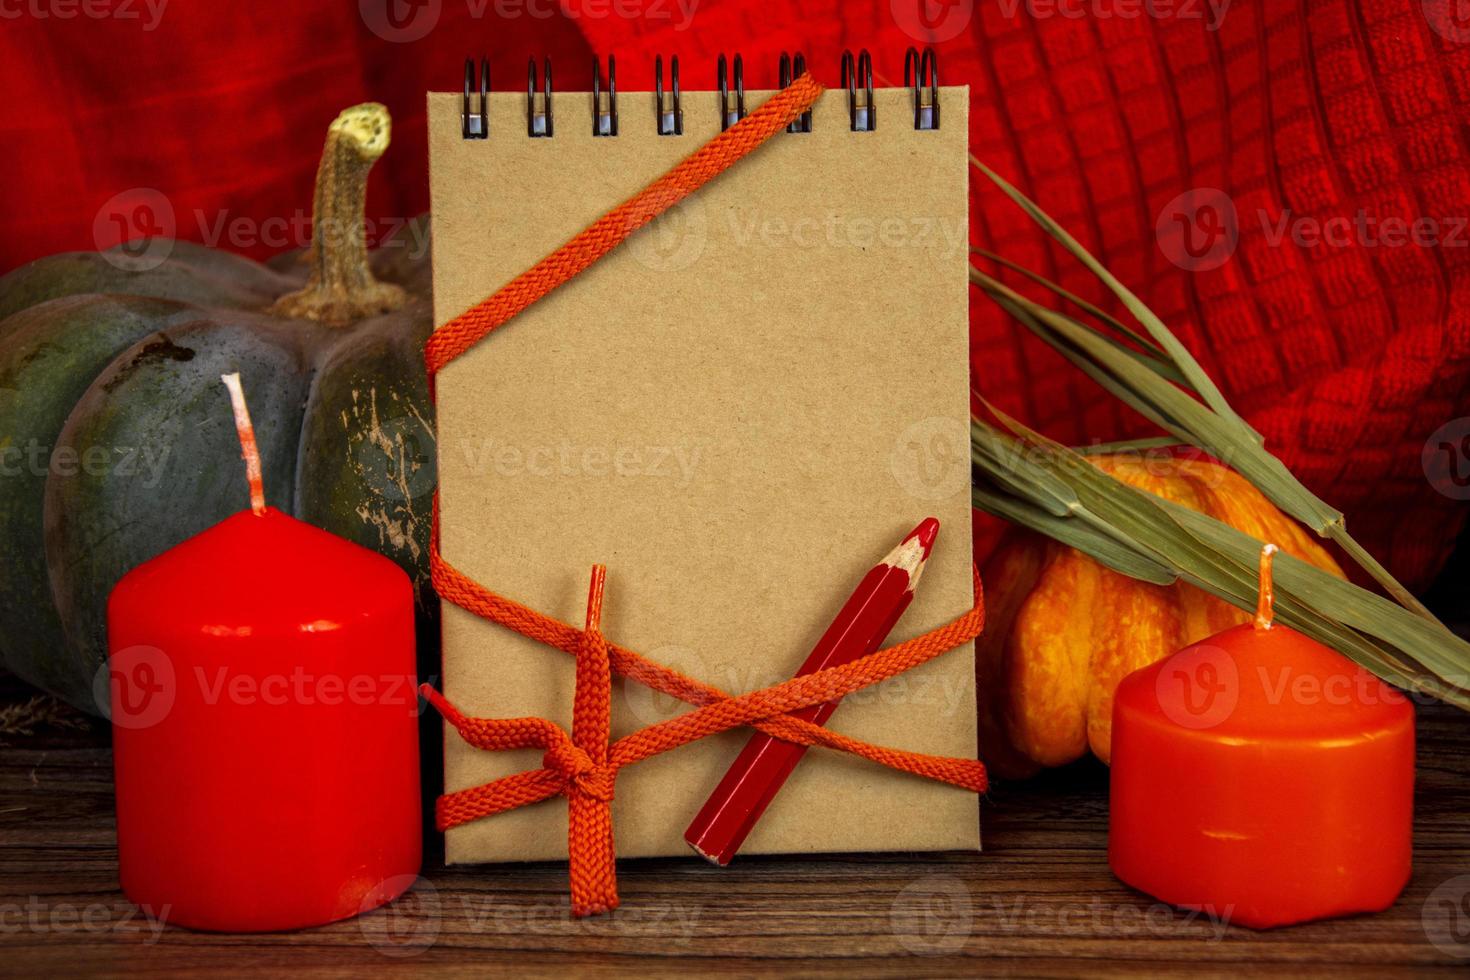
(342, 287)
(1266, 598)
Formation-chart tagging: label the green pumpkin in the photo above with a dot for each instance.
(116, 436)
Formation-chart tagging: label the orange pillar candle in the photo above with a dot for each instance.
(1262, 777)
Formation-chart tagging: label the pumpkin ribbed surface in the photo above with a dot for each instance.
(1064, 630)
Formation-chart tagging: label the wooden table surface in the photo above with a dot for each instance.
(1038, 901)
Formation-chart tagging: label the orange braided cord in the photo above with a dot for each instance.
(589, 797)
(497, 796)
(816, 688)
(829, 684)
(584, 769)
(609, 231)
(583, 766)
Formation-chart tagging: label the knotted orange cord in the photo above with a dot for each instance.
(583, 766)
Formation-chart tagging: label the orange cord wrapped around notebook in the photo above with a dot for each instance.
(583, 766)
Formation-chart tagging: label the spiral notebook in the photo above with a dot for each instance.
(738, 412)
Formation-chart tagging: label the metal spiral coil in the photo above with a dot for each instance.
(920, 77)
(793, 68)
(670, 115)
(605, 123)
(538, 123)
(916, 69)
(730, 116)
(475, 124)
(863, 118)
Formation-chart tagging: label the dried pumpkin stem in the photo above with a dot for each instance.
(342, 287)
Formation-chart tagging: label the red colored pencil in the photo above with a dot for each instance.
(760, 770)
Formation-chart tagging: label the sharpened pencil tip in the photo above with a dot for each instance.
(925, 534)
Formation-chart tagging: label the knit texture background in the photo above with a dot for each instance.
(1346, 352)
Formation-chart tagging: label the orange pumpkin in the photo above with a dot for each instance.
(1063, 630)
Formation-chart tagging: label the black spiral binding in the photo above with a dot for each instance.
(670, 115)
(920, 77)
(730, 116)
(864, 118)
(605, 122)
(916, 69)
(476, 125)
(792, 69)
(538, 123)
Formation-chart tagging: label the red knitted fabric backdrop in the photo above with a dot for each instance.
(1346, 353)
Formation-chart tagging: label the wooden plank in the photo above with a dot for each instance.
(1039, 901)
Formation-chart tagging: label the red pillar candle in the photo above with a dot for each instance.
(1262, 777)
(265, 730)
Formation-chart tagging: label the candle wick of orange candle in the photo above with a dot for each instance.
(1266, 599)
(249, 451)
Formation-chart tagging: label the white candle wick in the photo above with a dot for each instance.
(249, 451)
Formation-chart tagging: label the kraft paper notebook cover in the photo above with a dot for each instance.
(738, 412)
